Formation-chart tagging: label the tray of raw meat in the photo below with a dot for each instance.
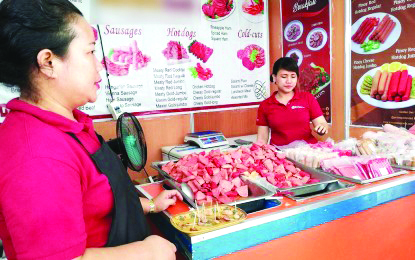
(209, 188)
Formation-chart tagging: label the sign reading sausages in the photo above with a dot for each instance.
(382, 63)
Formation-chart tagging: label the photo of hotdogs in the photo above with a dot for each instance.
(390, 86)
(374, 33)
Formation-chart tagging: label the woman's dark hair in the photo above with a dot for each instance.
(26, 28)
(285, 63)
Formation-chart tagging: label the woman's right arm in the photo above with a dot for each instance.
(263, 134)
(149, 248)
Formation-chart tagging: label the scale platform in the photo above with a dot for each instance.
(206, 139)
(175, 152)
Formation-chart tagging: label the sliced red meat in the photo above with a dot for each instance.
(225, 185)
(216, 178)
(231, 194)
(268, 164)
(236, 182)
(188, 178)
(280, 155)
(242, 191)
(236, 154)
(215, 171)
(310, 181)
(227, 158)
(192, 187)
(196, 183)
(241, 166)
(271, 180)
(296, 181)
(207, 177)
(200, 180)
(290, 168)
(216, 192)
(209, 199)
(168, 167)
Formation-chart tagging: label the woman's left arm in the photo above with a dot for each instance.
(320, 125)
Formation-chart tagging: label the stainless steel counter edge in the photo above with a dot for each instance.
(303, 208)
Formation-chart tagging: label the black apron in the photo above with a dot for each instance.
(129, 223)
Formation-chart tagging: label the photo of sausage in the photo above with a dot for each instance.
(375, 32)
(391, 86)
(382, 82)
(375, 83)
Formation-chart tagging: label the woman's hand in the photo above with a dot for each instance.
(320, 125)
(321, 129)
(157, 242)
(166, 198)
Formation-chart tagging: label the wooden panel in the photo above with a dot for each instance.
(275, 35)
(106, 129)
(337, 71)
(158, 131)
(230, 122)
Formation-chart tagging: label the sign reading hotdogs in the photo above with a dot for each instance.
(382, 63)
(306, 27)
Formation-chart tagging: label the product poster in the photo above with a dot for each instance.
(221, 61)
(306, 28)
(382, 62)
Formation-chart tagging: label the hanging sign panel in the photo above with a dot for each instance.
(382, 63)
(307, 38)
(219, 61)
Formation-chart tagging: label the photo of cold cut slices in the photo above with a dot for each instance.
(252, 10)
(217, 10)
(388, 87)
(374, 33)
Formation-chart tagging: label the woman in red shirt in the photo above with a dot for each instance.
(63, 193)
(287, 112)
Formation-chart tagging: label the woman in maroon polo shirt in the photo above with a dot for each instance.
(288, 111)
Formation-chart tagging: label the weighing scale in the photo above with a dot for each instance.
(175, 152)
(206, 139)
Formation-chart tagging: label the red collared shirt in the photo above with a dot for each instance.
(289, 122)
(54, 203)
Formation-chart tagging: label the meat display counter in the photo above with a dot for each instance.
(264, 231)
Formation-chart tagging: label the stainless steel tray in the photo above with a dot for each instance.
(306, 192)
(315, 174)
(255, 192)
(396, 173)
(404, 167)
